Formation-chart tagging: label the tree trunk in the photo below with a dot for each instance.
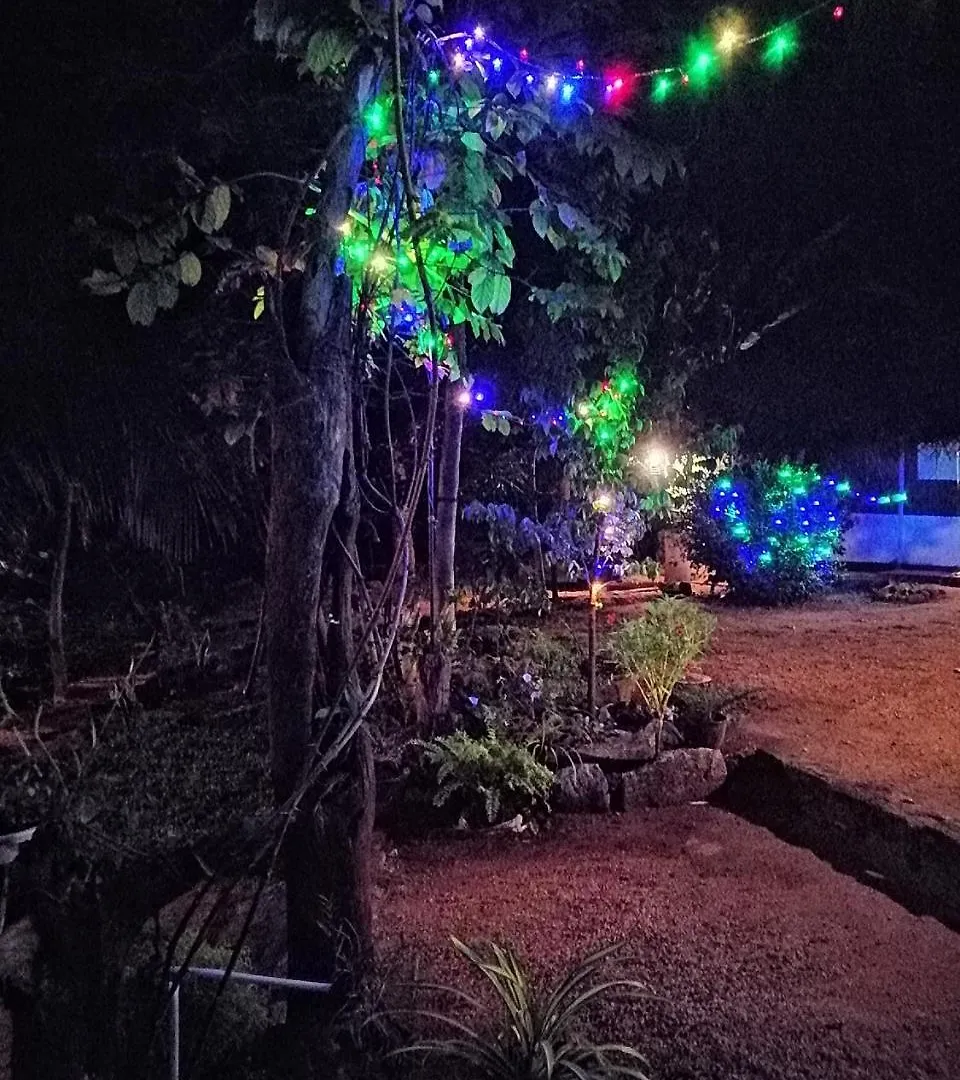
(58, 657)
(439, 661)
(327, 888)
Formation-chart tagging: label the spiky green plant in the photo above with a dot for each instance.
(536, 1038)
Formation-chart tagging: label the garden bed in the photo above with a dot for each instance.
(766, 963)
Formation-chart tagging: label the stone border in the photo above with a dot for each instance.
(914, 860)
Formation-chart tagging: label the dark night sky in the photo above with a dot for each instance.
(863, 129)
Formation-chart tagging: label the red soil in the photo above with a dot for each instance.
(868, 692)
(767, 965)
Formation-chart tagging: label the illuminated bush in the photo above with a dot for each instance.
(773, 533)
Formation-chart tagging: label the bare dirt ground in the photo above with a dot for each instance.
(868, 692)
(767, 964)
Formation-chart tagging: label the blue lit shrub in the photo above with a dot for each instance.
(772, 532)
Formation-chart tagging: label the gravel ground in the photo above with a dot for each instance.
(870, 692)
(767, 965)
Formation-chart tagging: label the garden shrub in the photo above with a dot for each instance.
(486, 779)
(772, 532)
(539, 1033)
(656, 649)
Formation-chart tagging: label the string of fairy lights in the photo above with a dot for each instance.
(706, 57)
(797, 516)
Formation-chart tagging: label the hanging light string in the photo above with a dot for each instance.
(464, 52)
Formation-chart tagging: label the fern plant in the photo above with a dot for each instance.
(491, 775)
(536, 1038)
(656, 650)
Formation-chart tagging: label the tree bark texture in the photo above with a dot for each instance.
(58, 655)
(324, 855)
(438, 664)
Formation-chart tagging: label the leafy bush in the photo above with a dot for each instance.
(535, 1039)
(487, 777)
(772, 532)
(657, 649)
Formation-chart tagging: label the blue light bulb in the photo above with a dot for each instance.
(566, 93)
(497, 63)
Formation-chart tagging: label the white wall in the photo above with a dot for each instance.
(910, 539)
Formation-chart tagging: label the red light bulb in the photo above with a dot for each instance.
(838, 13)
(524, 55)
(685, 79)
(580, 66)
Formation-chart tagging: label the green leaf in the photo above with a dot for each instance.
(167, 292)
(125, 256)
(142, 303)
(103, 283)
(495, 125)
(190, 268)
(149, 250)
(488, 420)
(481, 289)
(259, 302)
(499, 294)
(503, 425)
(568, 215)
(328, 50)
(473, 141)
(540, 215)
(216, 209)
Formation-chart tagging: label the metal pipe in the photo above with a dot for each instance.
(236, 976)
(175, 1034)
(262, 980)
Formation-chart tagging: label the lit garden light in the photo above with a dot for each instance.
(464, 398)
(603, 502)
(657, 459)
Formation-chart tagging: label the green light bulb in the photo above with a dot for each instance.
(843, 487)
(783, 44)
(375, 118)
(765, 558)
(661, 88)
(433, 77)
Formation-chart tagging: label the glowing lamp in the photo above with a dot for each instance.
(581, 66)
(433, 77)
(458, 60)
(603, 501)
(468, 44)
(566, 93)
(551, 82)
(728, 41)
(529, 80)
(479, 396)
(524, 55)
(497, 63)
(838, 13)
(464, 399)
(657, 459)
(479, 33)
